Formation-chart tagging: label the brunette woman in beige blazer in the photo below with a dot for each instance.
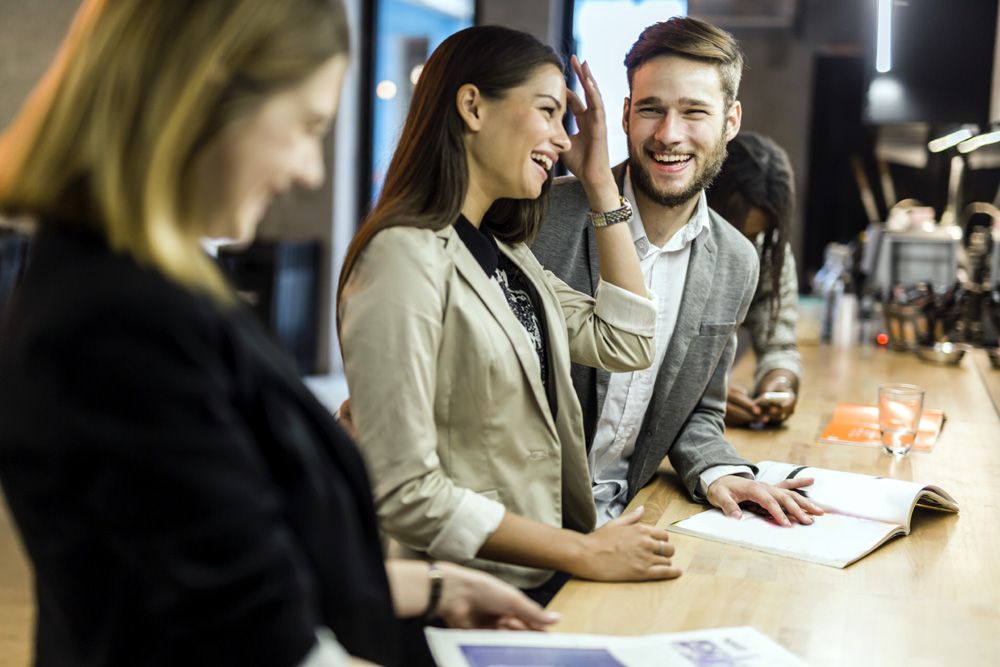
(457, 344)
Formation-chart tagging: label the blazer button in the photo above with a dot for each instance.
(538, 455)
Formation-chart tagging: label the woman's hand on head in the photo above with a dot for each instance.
(587, 157)
(626, 550)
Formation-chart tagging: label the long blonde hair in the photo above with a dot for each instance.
(109, 136)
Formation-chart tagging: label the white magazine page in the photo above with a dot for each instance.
(832, 539)
(876, 498)
(718, 647)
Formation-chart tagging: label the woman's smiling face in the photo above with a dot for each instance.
(519, 138)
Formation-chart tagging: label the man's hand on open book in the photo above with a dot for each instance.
(783, 501)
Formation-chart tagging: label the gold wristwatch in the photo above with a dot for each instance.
(621, 214)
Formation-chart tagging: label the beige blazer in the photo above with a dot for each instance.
(447, 395)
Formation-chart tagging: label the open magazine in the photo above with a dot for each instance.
(718, 647)
(862, 512)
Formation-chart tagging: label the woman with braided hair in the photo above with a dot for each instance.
(755, 193)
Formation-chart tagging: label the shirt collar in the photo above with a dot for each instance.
(481, 244)
(697, 226)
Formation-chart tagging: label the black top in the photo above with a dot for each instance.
(521, 294)
(182, 496)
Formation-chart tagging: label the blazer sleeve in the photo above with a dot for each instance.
(392, 310)
(780, 348)
(178, 487)
(701, 443)
(613, 330)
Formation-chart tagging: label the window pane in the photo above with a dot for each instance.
(406, 33)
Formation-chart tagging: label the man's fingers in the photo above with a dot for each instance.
(793, 509)
(763, 498)
(724, 501)
(807, 504)
(801, 498)
(795, 482)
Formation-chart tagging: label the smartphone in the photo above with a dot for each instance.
(774, 397)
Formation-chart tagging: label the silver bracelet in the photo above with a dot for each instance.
(621, 214)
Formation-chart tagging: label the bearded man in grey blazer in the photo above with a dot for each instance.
(682, 110)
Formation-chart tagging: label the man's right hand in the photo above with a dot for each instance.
(741, 409)
(626, 550)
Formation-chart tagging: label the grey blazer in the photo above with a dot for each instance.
(684, 420)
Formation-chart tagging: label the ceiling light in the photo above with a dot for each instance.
(979, 141)
(949, 140)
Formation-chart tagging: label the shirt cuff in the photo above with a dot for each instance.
(470, 525)
(327, 652)
(715, 472)
(624, 310)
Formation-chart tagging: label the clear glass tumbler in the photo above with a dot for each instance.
(899, 409)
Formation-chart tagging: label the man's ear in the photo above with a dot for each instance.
(626, 107)
(733, 119)
(469, 102)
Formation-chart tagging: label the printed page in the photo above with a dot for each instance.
(875, 498)
(832, 539)
(719, 647)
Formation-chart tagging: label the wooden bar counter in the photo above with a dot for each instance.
(931, 598)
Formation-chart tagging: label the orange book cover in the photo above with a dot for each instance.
(856, 424)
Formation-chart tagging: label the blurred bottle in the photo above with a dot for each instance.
(831, 283)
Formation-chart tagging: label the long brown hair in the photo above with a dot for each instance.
(428, 176)
(138, 91)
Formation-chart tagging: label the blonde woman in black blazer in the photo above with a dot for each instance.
(183, 498)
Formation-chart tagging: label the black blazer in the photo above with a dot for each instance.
(182, 496)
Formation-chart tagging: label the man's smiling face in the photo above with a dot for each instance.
(678, 126)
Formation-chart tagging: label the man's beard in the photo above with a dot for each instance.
(643, 181)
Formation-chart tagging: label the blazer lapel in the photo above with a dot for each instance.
(492, 297)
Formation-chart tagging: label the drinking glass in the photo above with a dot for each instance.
(899, 409)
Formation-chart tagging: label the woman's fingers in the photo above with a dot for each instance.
(736, 414)
(576, 106)
(591, 92)
(660, 548)
(664, 572)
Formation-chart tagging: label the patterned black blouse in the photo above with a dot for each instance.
(522, 297)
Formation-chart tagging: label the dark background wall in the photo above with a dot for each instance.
(778, 86)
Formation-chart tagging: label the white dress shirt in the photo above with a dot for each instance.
(664, 272)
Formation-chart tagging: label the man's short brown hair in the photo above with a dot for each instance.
(690, 38)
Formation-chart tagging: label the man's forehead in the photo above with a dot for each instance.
(675, 77)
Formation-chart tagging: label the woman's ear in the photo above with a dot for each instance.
(470, 106)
